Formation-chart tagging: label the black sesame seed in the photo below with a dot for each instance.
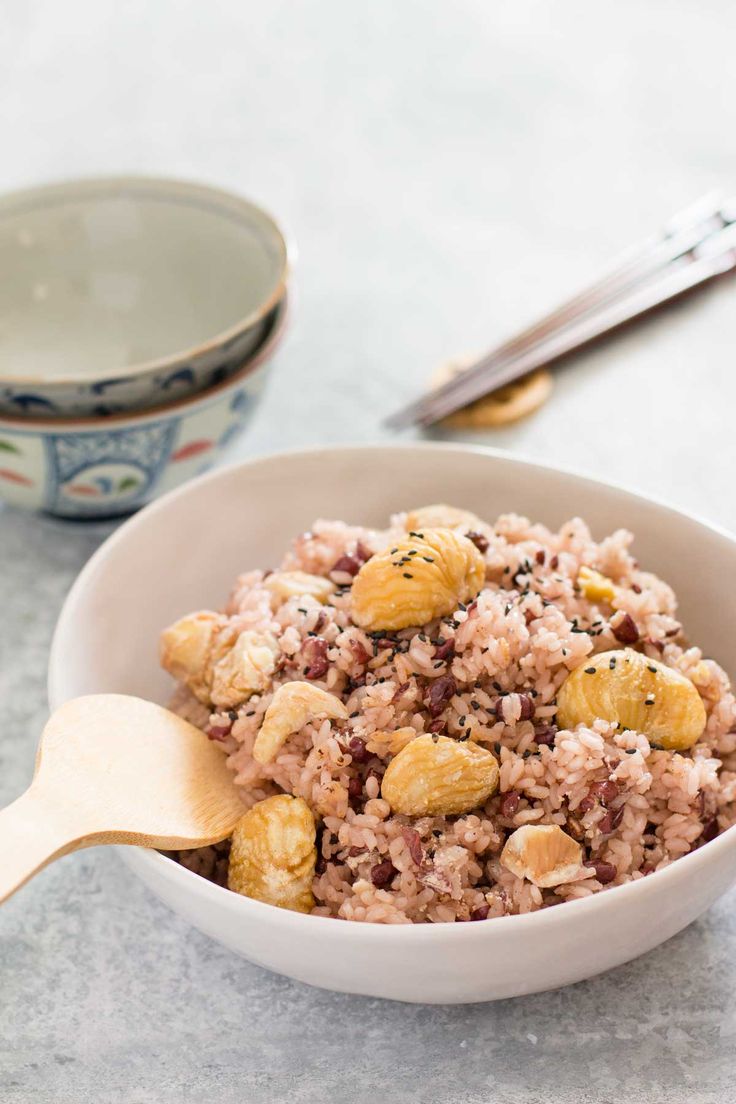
(631, 751)
(408, 575)
(590, 670)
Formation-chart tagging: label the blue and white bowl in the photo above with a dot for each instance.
(125, 293)
(105, 466)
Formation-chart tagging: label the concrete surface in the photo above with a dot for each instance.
(448, 171)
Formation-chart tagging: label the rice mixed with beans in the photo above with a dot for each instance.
(485, 674)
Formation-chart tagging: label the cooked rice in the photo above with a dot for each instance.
(527, 629)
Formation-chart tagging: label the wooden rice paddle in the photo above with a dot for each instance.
(116, 769)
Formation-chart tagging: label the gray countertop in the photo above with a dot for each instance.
(448, 171)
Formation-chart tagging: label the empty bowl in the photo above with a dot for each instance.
(184, 552)
(128, 292)
(103, 466)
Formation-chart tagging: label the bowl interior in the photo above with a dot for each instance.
(273, 329)
(111, 274)
(183, 552)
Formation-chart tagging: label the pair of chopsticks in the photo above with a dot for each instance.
(696, 245)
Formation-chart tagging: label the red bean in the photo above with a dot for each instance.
(545, 736)
(480, 542)
(413, 841)
(358, 750)
(610, 822)
(314, 651)
(441, 691)
(219, 732)
(382, 874)
(526, 702)
(604, 791)
(625, 630)
(605, 872)
(349, 564)
(446, 650)
(361, 654)
(510, 804)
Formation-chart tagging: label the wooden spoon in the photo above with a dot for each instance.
(115, 769)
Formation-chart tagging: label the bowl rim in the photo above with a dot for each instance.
(89, 187)
(159, 864)
(20, 424)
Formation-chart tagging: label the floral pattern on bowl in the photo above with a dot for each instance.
(102, 468)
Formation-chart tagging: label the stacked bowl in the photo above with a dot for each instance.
(138, 319)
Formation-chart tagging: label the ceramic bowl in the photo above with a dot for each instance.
(132, 580)
(102, 467)
(128, 292)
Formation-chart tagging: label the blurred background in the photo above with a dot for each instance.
(448, 172)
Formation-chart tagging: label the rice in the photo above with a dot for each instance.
(490, 673)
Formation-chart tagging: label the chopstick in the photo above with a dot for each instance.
(683, 233)
(715, 256)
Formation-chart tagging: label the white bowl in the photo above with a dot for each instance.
(127, 292)
(184, 551)
(105, 466)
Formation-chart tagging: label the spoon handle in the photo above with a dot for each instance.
(30, 837)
